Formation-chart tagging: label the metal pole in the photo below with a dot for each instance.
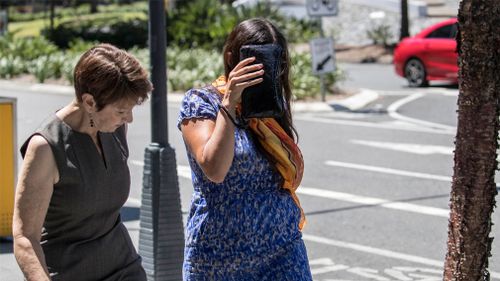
(157, 47)
(405, 25)
(161, 237)
(322, 76)
(323, 88)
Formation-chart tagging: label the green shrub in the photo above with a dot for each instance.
(36, 56)
(124, 33)
(11, 66)
(79, 46)
(200, 23)
(68, 67)
(206, 23)
(380, 34)
(40, 68)
(18, 55)
(142, 54)
(188, 68)
(25, 48)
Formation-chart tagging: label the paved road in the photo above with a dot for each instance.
(376, 185)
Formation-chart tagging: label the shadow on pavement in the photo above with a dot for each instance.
(6, 245)
(364, 110)
(447, 86)
(435, 84)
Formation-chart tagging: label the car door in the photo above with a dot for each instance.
(440, 56)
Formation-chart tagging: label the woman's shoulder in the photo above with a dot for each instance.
(203, 94)
(199, 103)
(47, 132)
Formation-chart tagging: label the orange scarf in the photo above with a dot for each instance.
(280, 147)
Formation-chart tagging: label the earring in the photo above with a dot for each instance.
(91, 120)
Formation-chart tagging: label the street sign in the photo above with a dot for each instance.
(323, 55)
(316, 8)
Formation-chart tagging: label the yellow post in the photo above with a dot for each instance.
(7, 164)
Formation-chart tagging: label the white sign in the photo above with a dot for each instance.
(323, 55)
(322, 7)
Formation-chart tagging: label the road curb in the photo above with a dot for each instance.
(357, 101)
(38, 87)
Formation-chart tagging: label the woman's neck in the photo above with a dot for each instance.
(75, 116)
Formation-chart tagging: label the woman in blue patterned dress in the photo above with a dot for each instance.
(243, 223)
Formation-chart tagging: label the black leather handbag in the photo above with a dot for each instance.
(264, 99)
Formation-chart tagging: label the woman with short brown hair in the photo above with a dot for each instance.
(74, 178)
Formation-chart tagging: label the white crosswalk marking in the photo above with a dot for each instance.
(364, 200)
(408, 147)
(392, 125)
(389, 171)
(185, 172)
(372, 274)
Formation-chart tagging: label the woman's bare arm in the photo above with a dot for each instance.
(33, 192)
(212, 142)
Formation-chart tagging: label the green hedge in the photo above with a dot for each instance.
(113, 29)
(198, 23)
(187, 68)
(36, 56)
(206, 23)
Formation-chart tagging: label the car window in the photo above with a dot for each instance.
(454, 30)
(447, 31)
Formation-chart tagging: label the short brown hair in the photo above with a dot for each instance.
(110, 74)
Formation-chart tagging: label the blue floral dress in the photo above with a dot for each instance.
(245, 228)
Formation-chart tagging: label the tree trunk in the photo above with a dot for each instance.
(52, 15)
(473, 188)
(93, 6)
(405, 26)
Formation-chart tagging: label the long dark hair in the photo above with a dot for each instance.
(260, 31)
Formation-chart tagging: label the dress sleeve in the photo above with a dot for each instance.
(198, 104)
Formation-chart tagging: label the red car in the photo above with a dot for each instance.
(429, 55)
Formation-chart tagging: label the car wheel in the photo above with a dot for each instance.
(415, 73)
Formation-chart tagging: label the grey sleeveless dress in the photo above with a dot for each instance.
(83, 237)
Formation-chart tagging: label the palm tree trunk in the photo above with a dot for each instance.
(473, 188)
